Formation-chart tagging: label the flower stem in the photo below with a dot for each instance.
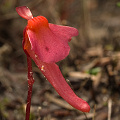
(30, 85)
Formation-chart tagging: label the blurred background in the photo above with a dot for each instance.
(92, 68)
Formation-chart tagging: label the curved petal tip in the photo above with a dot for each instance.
(85, 107)
(24, 12)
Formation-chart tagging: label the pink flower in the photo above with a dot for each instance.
(47, 44)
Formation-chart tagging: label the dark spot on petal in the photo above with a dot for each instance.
(47, 49)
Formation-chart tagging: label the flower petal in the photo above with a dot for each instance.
(45, 42)
(64, 32)
(24, 12)
(53, 74)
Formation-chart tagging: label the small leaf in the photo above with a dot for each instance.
(94, 71)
